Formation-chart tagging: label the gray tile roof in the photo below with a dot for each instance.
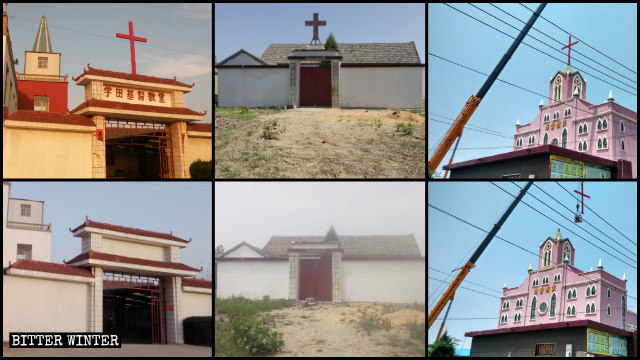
(354, 246)
(366, 53)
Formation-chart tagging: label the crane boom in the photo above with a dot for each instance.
(456, 129)
(451, 290)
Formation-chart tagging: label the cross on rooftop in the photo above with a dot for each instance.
(132, 38)
(581, 192)
(315, 23)
(569, 46)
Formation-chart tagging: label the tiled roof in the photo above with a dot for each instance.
(204, 127)
(354, 246)
(135, 107)
(130, 260)
(196, 283)
(127, 76)
(365, 53)
(48, 117)
(51, 268)
(129, 230)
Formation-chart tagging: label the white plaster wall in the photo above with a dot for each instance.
(253, 87)
(15, 213)
(6, 187)
(401, 281)
(253, 279)
(31, 305)
(195, 304)
(383, 87)
(40, 242)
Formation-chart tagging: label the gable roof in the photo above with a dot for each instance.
(365, 246)
(360, 53)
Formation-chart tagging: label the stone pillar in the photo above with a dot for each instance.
(98, 150)
(335, 83)
(95, 302)
(336, 275)
(173, 297)
(294, 264)
(179, 151)
(294, 82)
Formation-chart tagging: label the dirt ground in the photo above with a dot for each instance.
(332, 330)
(322, 143)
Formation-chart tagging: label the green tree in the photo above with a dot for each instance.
(444, 347)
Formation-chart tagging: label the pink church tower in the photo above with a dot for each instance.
(607, 130)
(558, 292)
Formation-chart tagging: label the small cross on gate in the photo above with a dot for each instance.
(315, 23)
(132, 38)
(581, 192)
(569, 46)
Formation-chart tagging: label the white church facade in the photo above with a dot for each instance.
(356, 75)
(378, 268)
(124, 280)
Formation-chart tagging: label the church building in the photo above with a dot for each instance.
(128, 126)
(560, 309)
(123, 280)
(355, 75)
(372, 268)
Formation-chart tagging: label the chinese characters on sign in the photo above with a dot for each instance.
(135, 96)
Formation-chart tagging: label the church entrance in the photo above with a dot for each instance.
(132, 307)
(138, 150)
(315, 279)
(315, 85)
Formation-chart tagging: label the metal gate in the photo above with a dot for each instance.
(315, 279)
(114, 280)
(315, 86)
(150, 135)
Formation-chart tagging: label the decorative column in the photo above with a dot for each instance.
(294, 82)
(173, 306)
(294, 264)
(95, 302)
(98, 154)
(179, 149)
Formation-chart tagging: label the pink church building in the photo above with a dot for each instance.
(558, 292)
(607, 130)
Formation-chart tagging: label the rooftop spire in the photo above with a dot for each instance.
(43, 41)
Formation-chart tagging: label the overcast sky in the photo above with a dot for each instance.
(255, 211)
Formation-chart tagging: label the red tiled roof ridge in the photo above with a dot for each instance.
(129, 230)
(136, 107)
(197, 283)
(130, 260)
(127, 76)
(50, 117)
(50, 267)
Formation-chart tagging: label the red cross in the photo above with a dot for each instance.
(315, 23)
(569, 46)
(132, 38)
(581, 192)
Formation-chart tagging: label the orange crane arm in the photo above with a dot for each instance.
(451, 290)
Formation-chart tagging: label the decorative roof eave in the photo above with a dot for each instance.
(129, 264)
(126, 111)
(127, 233)
(142, 81)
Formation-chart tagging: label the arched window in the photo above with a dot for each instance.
(605, 125)
(593, 307)
(604, 143)
(585, 129)
(599, 124)
(533, 309)
(588, 290)
(554, 142)
(564, 138)
(545, 141)
(622, 144)
(584, 147)
(588, 310)
(573, 310)
(580, 146)
(609, 310)
(569, 310)
(552, 308)
(575, 296)
(621, 126)
(593, 290)
(580, 129)
(599, 142)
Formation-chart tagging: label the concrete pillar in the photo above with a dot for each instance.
(336, 275)
(173, 306)
(335, 83)
(294, 82)
(98, 153)
(179, 149)
(95, 302)
(294, 265)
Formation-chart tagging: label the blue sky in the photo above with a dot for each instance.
(179, 38)
(183, 208)
(482, 204)
(253, 27)
(610, 28)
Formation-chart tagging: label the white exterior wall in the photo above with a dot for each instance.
(38, 305)
(382, 87)
(15, 213)
(253, 279)
(196, 304)
(397, 281)
(40, 242)
(131, 249)
(253, 87)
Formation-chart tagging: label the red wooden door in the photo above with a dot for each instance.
(315, 279)
(315, 86)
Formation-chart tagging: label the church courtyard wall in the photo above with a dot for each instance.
(48, 305)
(381, 87)
(253, 87)
(400, 281)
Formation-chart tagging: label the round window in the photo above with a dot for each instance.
(543, 307)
